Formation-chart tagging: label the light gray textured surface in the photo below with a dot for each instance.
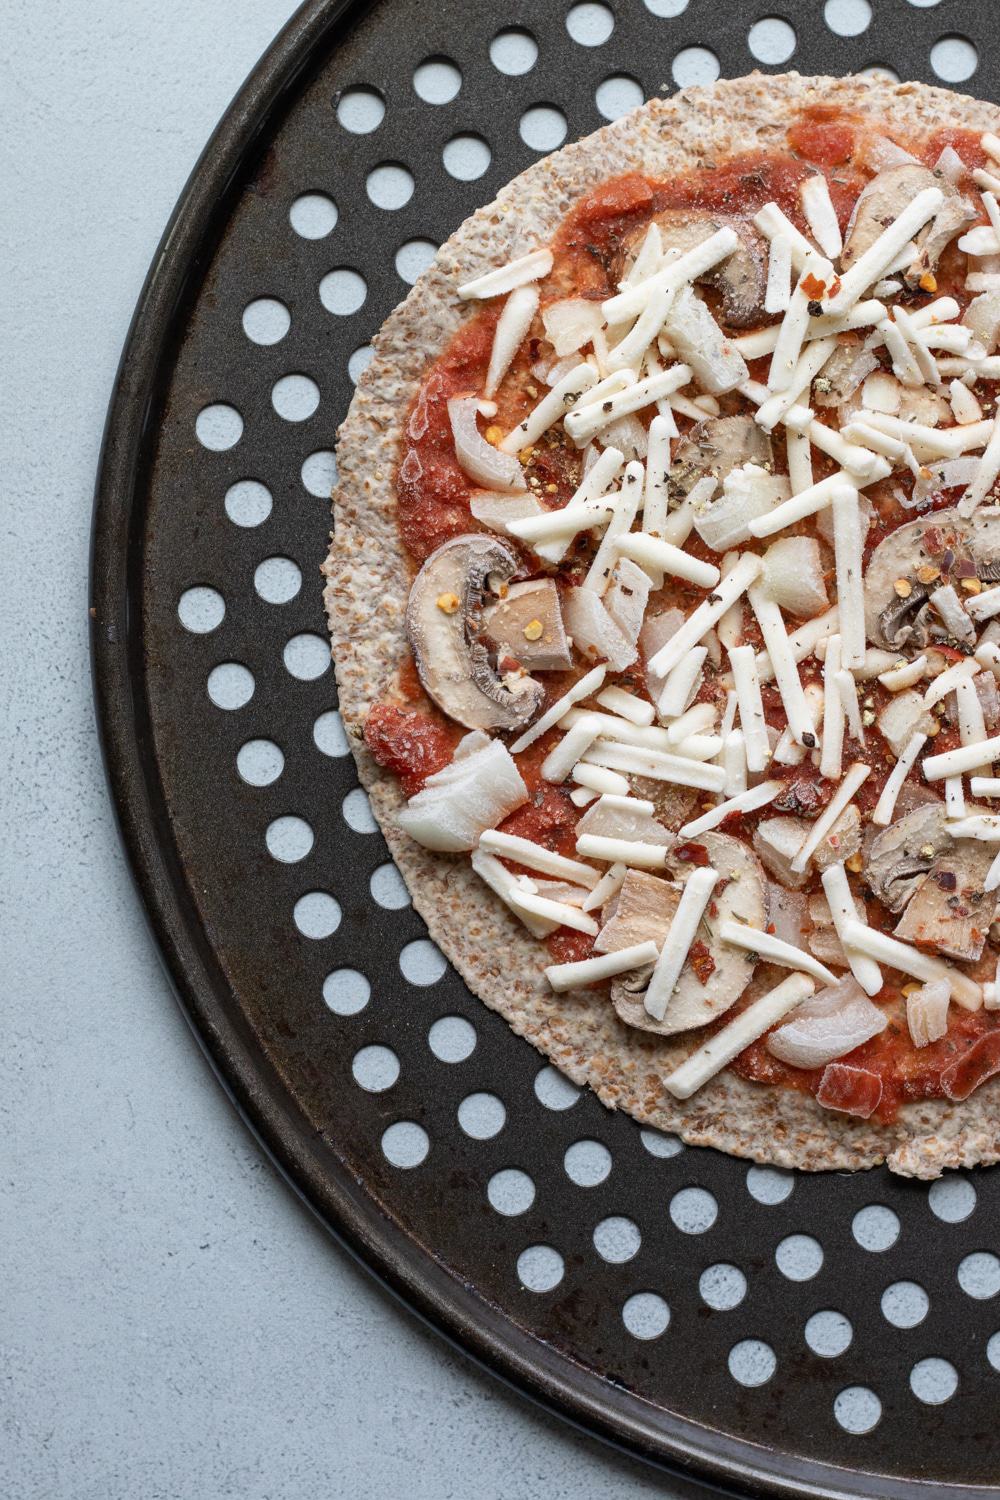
(171, 1323)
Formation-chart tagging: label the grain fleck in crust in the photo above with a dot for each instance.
(367, 575)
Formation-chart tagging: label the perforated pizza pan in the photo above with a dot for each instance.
(834, 1335)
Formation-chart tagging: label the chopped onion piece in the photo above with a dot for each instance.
(478, 458)
(927, 1012)
(459, 802)
(828, 1025)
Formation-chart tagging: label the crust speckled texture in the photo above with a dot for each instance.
(367, 580)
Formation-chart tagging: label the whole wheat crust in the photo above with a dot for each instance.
(368, 574)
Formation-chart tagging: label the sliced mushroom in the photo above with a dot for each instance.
(717, 447)
(527, 625)
(898, 859)
(949, 909)
(740, 279)
(741, 896)
(641, 912)
(884, 199)
(897, 615)
(843, 372)
(443, 618)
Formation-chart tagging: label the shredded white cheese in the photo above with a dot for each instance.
(707, 614)
(831, 763)
(786, 675)
(657, 765)
(907, 960)
(604, 966)
(848, 788)
(588, 684)
(775, 949)
(726, 1044)
(526, 268)
(746, 679)
(848, 544)
(843, 910)
(878, 258)
(748, 801)
(551, 409)
(886, 804)
(821, 216)
(681, 934)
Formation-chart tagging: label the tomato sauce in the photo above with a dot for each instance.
(433, 505)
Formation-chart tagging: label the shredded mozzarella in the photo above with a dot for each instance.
(657, 765)
(879, 256)
(848, 788)
(743, 663)
(774, 949)
(831, 763)
(572, 976)
(551, 409)
(907, 960)
(681, 934)
(843, 910)
(526, 268)
(772, 628)
(587, 684)
(848, 545)
(707, 614)
(726, 1044)
(747, 801)
(886, 804)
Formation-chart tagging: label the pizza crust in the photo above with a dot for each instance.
(368, 573)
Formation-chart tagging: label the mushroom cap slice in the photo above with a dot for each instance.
(884, 199)
(716, 447)
(527, 625)
(949, 910)
(454, 666)
(898, 859)
(894, 622)
(741, 895)
(740, 279)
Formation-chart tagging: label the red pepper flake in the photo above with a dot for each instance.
(813, 287)
(692, 854)
(701, 961)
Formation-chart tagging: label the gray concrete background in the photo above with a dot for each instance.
(171, 1322)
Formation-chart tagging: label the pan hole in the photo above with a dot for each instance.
(388, 888)
(952, 1199)
(590, 24)
(218, 427)
(452, 1039)
(346, 992)
(343, 291)
(277, 579)
(317, 914)
(313, 216)
(693, 1210)
(905, 1304)
(993, 1351)
(847, 17)
(357, 811)
(513, 52)
(540, 1268)
(771, 40)
(389, 185)
(359, 362)
(289, 839)
(248, 502)
(646, 1315)
(828, 1333)
(361, 110)
(437, 80)
(543, 127)
(658, 1144)
(933, 1381)
(422, 962)
(295, 397)
(413, 258)
(979, 1275)
(375, 1069)
(230, 685)
(722, 1287)
(924, 4)
(617, 95)
(482, 1116)
(880, 70)
(799, 1257)
(201, 610)
(554, 1089)
(266, 320)
(466, 157)
(329, 735)
(405, 1144)
(876, 1228)
(769, 1185)
(617, 1240)
(694, 65)
(307, 656)
(587, 1163)
(954, 58)
(752, 1362)
(857, 1409)
(511, 1192)
(319, 473)
(260, 762)
(667, 9)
